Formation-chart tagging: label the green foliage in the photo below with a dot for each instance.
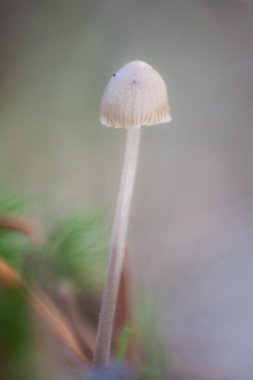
(75, 251)
(78, 250)
(13, 244)
(11, 203)
(15, 334)
(123, 342)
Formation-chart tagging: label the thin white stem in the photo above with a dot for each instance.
(117, 249)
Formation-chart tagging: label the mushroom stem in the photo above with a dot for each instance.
(117, 248)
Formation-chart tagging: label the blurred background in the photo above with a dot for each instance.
(191, 222)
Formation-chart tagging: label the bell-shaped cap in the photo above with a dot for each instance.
(136, 95)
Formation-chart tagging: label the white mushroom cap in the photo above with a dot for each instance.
(135, 96)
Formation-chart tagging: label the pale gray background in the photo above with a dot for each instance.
(191, 223)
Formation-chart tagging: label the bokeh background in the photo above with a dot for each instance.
(191, 222)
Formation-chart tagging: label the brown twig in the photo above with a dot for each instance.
(124, 316)
(45, 308)
(42, 305)
(23, 226)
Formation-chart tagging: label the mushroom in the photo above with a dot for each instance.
(135, 96)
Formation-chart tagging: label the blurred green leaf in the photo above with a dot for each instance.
(13, 244)
(15, 334)
(78, 249)
(123, 342)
